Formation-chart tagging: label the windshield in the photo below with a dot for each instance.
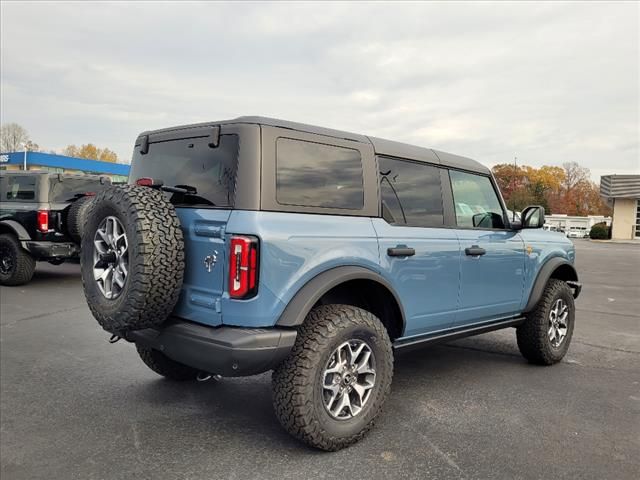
(208, 173)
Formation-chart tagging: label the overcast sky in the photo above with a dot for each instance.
(548, 82)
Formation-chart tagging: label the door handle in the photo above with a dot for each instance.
(401, 251)
(474, 251)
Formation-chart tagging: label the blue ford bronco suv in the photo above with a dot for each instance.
(256, 244)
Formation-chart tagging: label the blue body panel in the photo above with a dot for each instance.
(544, 245)
(202, 290)
(294, 248)
(491, 285)
(439, 287)
(427, 283)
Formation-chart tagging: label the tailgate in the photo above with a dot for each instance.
(205, 264)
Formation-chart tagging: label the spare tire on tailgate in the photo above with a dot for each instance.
(77, 217)
(132, 258)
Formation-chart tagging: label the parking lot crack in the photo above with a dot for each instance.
(617, 314)
(605, 347)
(42, 315)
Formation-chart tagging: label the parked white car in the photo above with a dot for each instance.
(578, 233)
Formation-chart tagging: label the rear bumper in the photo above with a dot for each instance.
(51, 249)
(227, 351)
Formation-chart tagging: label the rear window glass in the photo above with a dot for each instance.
(69, 189)
(192, 163)
(316, 175)
(411, 193)
(19, 189)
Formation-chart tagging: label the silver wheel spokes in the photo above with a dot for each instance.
(558, 319)
(348, 379)
(110, 257)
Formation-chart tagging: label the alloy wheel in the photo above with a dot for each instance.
(558, 322)
(110, 257)
(348, 379)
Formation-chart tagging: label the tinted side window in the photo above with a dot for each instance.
(316, 175)
(476, 201)
(411, 193)
(20, 188)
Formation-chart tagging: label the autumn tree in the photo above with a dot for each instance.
(567, 189)
(91, 152)
(509, 177)
(13, 137)
(574, 175)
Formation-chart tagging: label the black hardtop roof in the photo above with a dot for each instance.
(380, 146)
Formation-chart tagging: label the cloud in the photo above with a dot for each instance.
(548, 82)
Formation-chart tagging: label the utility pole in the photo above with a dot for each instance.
(24, 162)
(515, 184)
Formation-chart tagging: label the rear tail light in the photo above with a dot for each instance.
(43, 221)
(243, 267)
(144, 182)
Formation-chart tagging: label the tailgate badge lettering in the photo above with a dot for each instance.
(210, 261)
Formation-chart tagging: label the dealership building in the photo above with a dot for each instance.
(118, 172)
(565, 223)
(622, 193)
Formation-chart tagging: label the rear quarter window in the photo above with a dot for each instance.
(312, 174)
(411, 193)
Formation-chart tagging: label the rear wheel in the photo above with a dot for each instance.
(163, 365)
(16, 265)
(331, 388)
(545, 336)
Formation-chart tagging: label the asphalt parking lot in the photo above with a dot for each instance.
(74, 406)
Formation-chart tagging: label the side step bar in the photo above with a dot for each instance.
(457, 333)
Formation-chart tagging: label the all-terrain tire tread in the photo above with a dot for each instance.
(77, 218)
(533, 342)
(292, 397)
(163, 365)
(156, 258)
(24, 263)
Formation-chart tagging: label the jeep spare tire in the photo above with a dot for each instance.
(132, 258)
(77, 218)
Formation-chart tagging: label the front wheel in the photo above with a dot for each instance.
(334, 382)
(545, 335)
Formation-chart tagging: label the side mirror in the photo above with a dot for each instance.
(532, 217)
(487, 220)
(515, 225)
(482, 220)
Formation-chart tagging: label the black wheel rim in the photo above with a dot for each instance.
(6, 260)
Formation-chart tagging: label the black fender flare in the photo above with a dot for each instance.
(544, 274)
(304, 300)
(18, 229)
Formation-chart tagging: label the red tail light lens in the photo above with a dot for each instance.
(243, 267)
(43, 221)
(144, 182)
